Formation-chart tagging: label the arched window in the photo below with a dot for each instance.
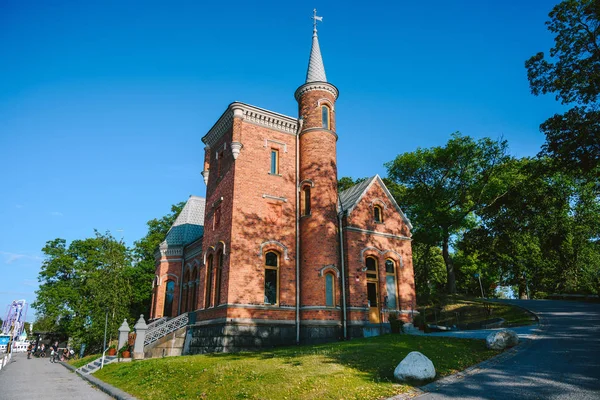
(377, 214)
(209, 281)
(218, 278)
(329, 290)
(371, 263)
(169, 296)
(271, 278)
(390, 284)
(305, 201)
(325, 116)
(194, 290)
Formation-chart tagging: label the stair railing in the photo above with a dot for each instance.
(163, 329)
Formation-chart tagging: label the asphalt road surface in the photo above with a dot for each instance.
(37, 378)
(561, 362)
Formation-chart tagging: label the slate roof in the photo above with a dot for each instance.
(350, 197)
(316, 69)
(189, 225)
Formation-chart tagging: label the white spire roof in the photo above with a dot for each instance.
(316, 70)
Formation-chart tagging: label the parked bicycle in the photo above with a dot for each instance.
(39, 353)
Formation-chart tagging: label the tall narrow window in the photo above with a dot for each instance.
(209, 281)
(169, 295)
(274, 161)
(377, 214)
(325, 116)
(305, 204)
(218, 278)
(329, 290)
(271, 277)
(390, 284)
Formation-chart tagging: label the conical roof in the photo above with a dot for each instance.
(316, 69)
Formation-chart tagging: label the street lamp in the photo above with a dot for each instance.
(104, 345)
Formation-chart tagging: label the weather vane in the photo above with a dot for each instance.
(315, 19)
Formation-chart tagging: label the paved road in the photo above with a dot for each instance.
(37, 378)
(561, 362)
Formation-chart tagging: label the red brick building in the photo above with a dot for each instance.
(273, 254)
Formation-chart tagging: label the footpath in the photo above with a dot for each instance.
(37, 378)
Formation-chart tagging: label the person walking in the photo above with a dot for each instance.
(29, 348)
(54, 352)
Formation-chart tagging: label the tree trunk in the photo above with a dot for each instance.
(451, 279)
(522, 287)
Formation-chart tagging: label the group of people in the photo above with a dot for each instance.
(55, 352)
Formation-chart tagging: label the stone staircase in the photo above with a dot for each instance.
(410, 329)
(95, 365)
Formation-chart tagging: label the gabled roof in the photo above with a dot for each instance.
(189, 225)
(350, 197)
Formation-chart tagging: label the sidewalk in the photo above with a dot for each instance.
(37, 378)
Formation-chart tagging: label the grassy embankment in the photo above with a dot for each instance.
(356, 369)
(467, 311)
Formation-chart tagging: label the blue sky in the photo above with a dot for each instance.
(103, 103)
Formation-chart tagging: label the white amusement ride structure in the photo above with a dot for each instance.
(13, 332)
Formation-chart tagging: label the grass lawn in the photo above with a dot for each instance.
(80, 362)
(356, 369)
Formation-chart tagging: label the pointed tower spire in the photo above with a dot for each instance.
(316, 70)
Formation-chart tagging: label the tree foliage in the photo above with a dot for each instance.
(142, 273)
(572, 73)
(445, 187)
(542, 236)
(80, 284)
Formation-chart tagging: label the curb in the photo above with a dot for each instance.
(105, 387)
(474, 369)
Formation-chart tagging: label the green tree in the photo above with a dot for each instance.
(444, 188)
(542, 236)
(80, 284)
(572, 72)
(142, 272)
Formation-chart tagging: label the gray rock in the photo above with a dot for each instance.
(415, 367)
(502, 339)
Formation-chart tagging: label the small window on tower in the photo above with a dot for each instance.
(274, 162)
(305, 201)
(325, 114)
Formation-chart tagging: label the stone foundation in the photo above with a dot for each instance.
(232, 336)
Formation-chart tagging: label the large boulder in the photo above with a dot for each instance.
(502, 339)
(414, 367)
